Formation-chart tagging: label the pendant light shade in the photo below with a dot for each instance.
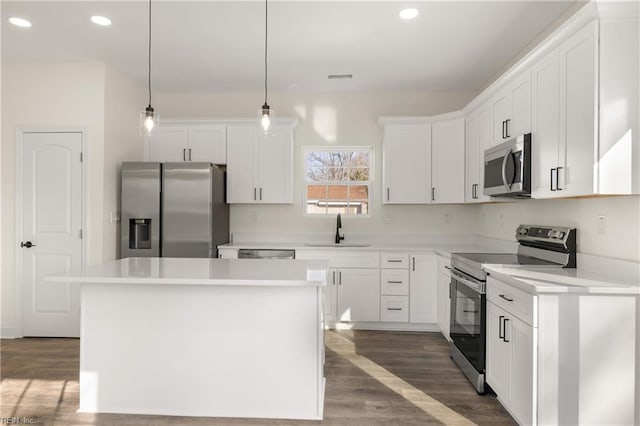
(149, 120)
(265, 113)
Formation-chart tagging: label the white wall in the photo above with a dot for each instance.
(124, 100)
(83, 95)
(330, 119)
(620, 239)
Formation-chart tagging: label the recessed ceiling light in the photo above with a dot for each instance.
(101, 20)
(19, 22)
(409, 13)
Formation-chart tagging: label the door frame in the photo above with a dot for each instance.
(19, 199)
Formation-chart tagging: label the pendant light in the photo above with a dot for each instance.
(148, 119)
(266, 114)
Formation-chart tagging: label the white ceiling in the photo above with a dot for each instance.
(218, 46)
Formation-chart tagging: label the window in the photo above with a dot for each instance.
(337, 180)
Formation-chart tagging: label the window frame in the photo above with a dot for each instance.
(329, 149)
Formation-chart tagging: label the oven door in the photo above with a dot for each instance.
(468, 318)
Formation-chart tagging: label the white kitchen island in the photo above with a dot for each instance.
(202, 337)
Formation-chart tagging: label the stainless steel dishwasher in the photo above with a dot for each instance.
(266, 254)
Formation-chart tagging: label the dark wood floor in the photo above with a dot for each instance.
(373, 378)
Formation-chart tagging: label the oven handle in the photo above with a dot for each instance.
(507, 185)
(476, 286)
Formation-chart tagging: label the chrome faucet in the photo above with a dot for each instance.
(338, 226)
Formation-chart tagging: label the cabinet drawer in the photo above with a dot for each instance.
(394, 260)
(515, 301)
(394, 308)
(394, 282)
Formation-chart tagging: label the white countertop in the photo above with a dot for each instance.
(540, 280)
(186, 271)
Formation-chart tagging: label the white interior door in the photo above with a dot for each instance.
(51, 232)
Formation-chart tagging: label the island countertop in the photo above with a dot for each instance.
(191, 271)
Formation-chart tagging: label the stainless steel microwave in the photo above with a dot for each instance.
(507, 168)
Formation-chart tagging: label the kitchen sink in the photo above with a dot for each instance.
(337, 245)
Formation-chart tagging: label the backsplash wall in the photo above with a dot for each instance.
(616, 236)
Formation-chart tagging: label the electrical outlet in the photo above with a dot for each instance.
(254, 216)
(387, 220)
(602, 224)
(501, 219)
(447, 217)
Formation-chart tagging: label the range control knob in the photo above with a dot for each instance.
(523, 231)
(559, 234)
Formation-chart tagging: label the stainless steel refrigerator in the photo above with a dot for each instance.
(173, 210)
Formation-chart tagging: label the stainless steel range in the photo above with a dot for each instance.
(544, 246)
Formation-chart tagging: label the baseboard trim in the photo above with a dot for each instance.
(383, 326)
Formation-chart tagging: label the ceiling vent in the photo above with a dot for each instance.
(340, 76)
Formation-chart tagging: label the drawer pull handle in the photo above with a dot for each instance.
(394, 309)
(470, 312)
(394, 260)
(505, 298)
(394, 282)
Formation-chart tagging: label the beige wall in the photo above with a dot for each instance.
(54, 95)
(348, 119)
(620, 239)
(124, 100)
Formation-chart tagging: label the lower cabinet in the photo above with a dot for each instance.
(423, 289)
(510, 351)
(444, 300)
(358, 297)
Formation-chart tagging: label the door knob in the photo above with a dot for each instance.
(28, 244)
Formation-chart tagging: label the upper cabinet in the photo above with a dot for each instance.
(259, 167)
(447, 161)
(423, 160)
(479, 136)
(406, 162)
(512, 110)
(177, 141)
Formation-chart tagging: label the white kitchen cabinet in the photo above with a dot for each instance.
(444, 299)
(177, 141)
(394, 287)
(478, 137)
(565, 104)
(423, 289)
(512, 109)
(353, 285)
(358, 294)
(447, 161)
(406, 163)
(259, 167)
(510, 365)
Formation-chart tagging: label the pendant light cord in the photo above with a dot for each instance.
(265, 49)
(149, 74)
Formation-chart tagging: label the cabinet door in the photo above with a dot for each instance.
(444, 302)
(208, 144)
(169, 144)
(578, 100)
(276, 166)
(497, 351)
(330, 293)
(358, 295)
(447, 163)
(242, 162)
(406, 163)
(521, 340)
(423, 289)
(520, 115)
(545, 77)
(501, 113)
(472, 158)
(485, 140)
